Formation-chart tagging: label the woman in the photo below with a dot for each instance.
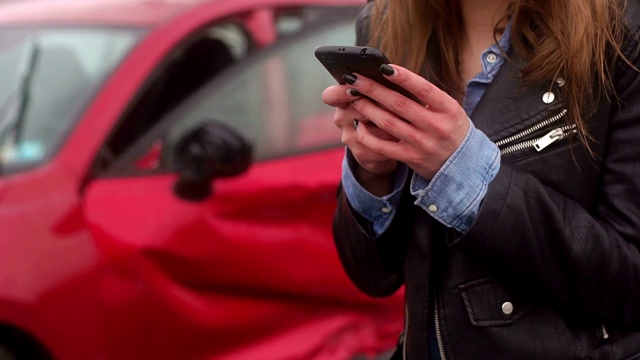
(508, 205)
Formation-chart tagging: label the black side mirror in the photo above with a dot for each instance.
(210, 151)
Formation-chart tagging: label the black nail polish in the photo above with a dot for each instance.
(354, 92)
(386, 69)
(349, 79)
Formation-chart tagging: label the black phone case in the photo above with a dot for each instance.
(340, 60)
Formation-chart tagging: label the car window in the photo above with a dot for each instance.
(34, 116)
(276, 101)
(196, 60)
(233, 36)
(204, 56)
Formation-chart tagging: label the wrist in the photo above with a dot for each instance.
(378, 183)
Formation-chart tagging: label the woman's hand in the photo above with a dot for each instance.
(375, 170)
(430, 133)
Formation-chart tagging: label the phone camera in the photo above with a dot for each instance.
(363, 52)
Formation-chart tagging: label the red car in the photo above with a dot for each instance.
(167, 182)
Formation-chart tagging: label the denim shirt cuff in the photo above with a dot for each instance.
(378, 210)
(454, 195)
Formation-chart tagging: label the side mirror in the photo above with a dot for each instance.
(212, 150)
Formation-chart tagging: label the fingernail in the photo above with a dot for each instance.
(353, 92)
(349, 79)
(387, 70)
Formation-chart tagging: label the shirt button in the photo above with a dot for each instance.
(491, 58)
(386, 210)
(507, 308)
(560, 81)
(548, 97)
(433, 208)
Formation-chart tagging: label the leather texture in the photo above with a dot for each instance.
(556, 241)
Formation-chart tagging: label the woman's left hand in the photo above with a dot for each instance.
(430, 133)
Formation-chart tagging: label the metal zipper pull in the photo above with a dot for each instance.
(605, 333)
(532, 129)
(550, 138)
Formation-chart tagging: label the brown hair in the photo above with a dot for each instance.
(575, 39)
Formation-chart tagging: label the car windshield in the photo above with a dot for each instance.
(47, 76)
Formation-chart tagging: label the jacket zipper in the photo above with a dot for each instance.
(406, 332)
(438, 333)
(532, 129)
(529, 131)
(542, 142)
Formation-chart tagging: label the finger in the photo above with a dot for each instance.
(386, 120)
(377, 132)
(345, 120)
(436, 99)
(387, 148)
(339, 96)
(390, 99)
(345, 117)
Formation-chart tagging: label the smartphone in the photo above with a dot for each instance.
(340, 60)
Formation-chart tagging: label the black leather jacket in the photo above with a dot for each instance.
(551, 267)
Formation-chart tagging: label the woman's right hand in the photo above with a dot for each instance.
(375, 170)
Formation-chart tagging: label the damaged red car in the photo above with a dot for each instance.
(168, 175)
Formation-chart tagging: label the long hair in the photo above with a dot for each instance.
(577, 40)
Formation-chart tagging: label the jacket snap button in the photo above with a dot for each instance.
(507, 308)
(548, 97)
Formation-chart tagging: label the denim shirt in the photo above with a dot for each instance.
(454, 195)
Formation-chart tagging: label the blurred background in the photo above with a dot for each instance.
(168, 174)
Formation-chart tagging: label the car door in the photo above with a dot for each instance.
(245, 266)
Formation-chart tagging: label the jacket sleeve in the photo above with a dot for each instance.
(586, 257)
(374, 264)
